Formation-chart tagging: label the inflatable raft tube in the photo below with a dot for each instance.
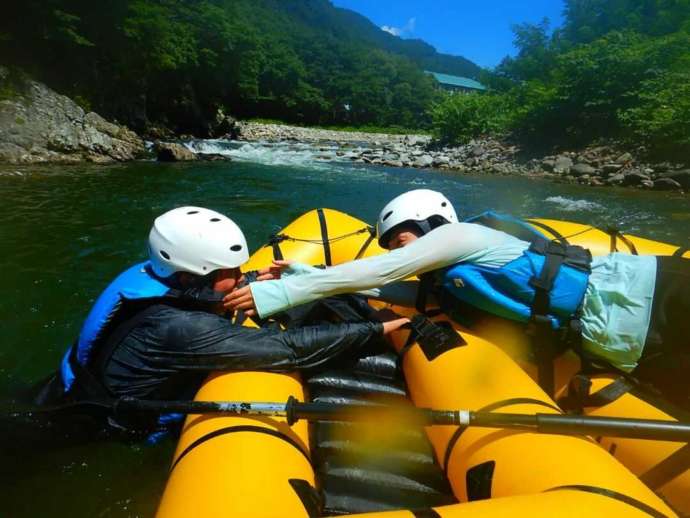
(663, 466)
(241, 466)
(250, 467)
(225, 485)
(563, 503)
(486, 463)
(237, 466)
(478, 375)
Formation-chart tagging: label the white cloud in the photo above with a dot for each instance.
(391, 30)
(408, 28)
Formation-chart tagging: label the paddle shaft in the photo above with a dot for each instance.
(294, 410)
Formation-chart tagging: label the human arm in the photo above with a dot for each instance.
(444, 246)
(198, 341)
(403, 293)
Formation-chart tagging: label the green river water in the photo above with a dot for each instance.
(66, 231)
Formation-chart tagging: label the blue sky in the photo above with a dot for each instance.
(478, 30)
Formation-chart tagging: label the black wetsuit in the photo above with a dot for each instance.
(170, 351)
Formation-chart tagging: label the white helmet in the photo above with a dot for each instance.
(416, 207)
(195, 240)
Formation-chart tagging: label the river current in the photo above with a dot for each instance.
(65, 231)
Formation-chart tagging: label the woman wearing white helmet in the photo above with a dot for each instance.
(401, 223)
(610, 302)
(159, 328)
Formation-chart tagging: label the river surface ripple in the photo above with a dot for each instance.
(66, 231)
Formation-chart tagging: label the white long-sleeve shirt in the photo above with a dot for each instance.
(616, 309)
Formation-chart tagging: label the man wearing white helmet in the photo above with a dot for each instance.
(158, 329)
(625, 309)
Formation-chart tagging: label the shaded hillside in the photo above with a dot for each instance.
(176, 63)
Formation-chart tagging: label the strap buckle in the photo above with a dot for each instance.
(434, 338)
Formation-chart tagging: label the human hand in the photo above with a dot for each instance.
(274, 271)
(240, 299)
(393, 325)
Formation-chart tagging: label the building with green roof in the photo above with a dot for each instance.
(457, 83)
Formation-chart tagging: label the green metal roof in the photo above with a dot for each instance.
(462, 82)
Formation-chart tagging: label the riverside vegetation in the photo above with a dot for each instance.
(616, 70)
(603, 100)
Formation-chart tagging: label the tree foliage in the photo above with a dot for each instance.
(459, 118)
(176, 62)
(616, 69)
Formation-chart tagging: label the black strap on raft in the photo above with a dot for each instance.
(615, 235)
(579, 396)
(556, 235)
(324, 237)
(310, 497)
(275, 241)
(681, 251)
(478, 481)
(641, 506)
(514, 227)
(496, 405)
(434, 338)
(424, 513)
(672, 466)
(220, 432)
(365, 246)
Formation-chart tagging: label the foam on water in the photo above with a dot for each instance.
(280, 154)
(572, 205)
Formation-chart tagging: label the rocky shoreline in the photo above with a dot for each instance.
(596, 166)
(38, 125)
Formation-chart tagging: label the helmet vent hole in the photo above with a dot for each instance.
(203, 267)
(165, 255)
(193, 212)
(214, 220)
(236, 248)
(388, 215)
(444, 204)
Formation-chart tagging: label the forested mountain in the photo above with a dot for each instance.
(616, 69)
(357, 27)
(175, 62)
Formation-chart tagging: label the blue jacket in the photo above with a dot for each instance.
(509, 291)
(135, 283)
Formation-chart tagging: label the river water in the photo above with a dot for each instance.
(65, 231)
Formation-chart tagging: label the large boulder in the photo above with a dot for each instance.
(582, 170)
(172, 152)
(562, 165)
(636, 178)
(424, 161)
(682, 177)
(624, 158)
(40, 125)
(225, 126)
(666, 184)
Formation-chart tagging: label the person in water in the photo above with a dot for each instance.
(160, 328)
(631, 312)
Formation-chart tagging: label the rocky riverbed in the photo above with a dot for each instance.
(40, 125)
(596, 165)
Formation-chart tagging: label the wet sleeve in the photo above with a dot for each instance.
(443, 246)
(201, 341)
